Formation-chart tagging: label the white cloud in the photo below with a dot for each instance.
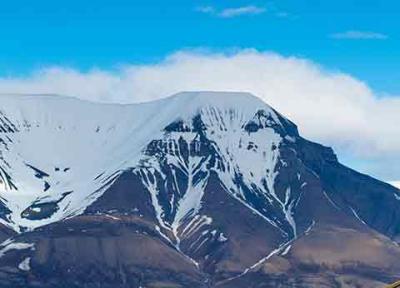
(359, 35)
(232, 12)
(329, 107)
(239, 11)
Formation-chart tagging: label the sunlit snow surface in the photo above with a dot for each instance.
(66, 151)
(395, 184)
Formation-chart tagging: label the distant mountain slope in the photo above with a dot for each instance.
(201, 189)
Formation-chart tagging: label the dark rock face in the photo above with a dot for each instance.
(97, 251)
(199, 210)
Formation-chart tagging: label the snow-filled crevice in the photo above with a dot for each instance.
(175, 198)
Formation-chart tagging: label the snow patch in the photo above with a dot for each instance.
(358, 217)
(10, 245)
(286, 251)
(25, 264)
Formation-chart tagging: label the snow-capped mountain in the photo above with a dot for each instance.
(220, 184)
(59, 155)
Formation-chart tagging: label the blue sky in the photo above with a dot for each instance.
(86, 34)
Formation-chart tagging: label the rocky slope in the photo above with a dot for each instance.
(197, 190)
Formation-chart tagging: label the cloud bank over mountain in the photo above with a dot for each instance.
(330, 107)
